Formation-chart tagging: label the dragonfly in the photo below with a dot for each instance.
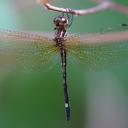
(32, 50)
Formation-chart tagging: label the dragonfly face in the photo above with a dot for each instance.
(60, 22)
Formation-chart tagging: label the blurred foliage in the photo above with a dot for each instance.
(29, 100)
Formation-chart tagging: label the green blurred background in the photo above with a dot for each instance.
(35, 100)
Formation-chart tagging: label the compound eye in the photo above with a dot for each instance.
(56, 20)
(64, 20)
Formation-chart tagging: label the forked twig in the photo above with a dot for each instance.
(103, 5)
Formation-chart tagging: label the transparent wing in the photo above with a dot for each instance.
(25, 50)
(34, 50)
(99, 50)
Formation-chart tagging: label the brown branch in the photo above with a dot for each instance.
(103, 5)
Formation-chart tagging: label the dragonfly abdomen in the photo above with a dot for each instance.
(64, 74)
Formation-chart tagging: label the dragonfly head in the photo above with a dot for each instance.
(60, 22)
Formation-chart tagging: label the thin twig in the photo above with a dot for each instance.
(115, 6)
(103, 5)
